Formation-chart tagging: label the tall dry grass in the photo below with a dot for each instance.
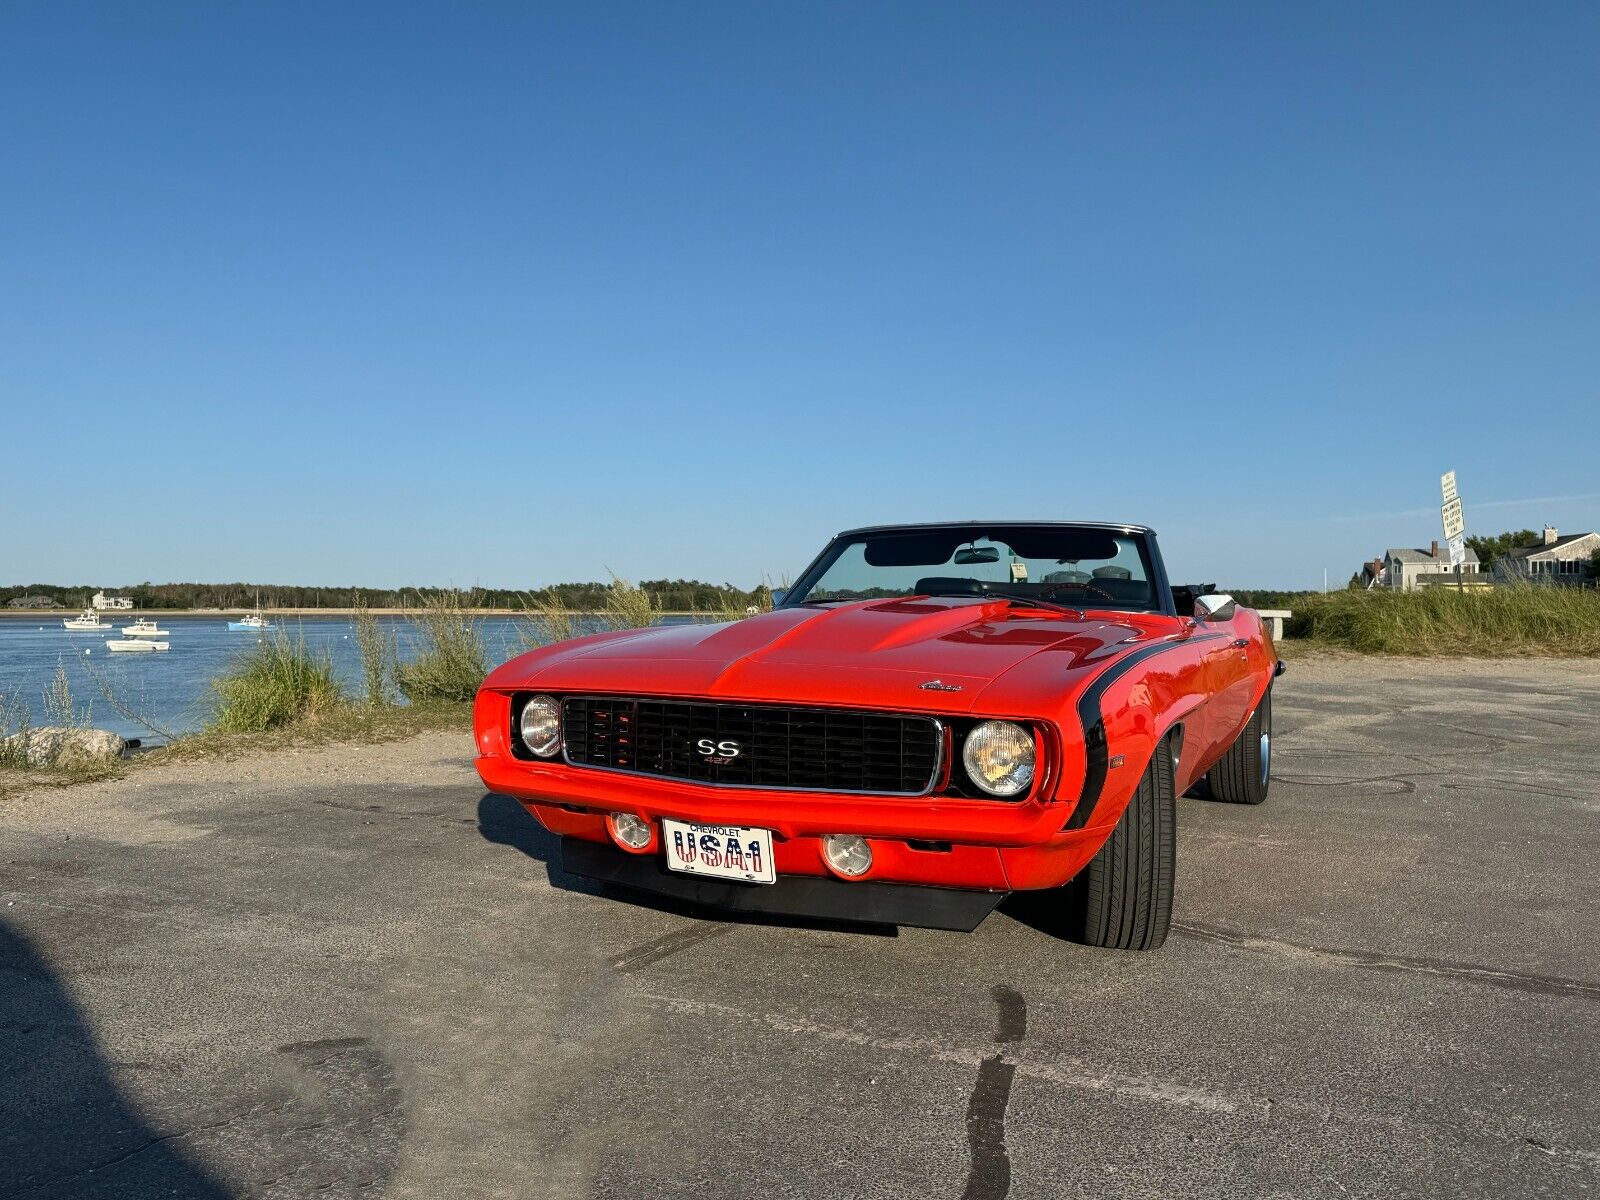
(1507, 621)
(15, 722)
(379, 653)
(60, 709)
(628, 606)
(545, 621)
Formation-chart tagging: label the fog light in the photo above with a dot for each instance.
(847, 853)
(633, 832)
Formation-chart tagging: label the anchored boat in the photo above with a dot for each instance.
(137, 645)
(144, 628)
(88, 620)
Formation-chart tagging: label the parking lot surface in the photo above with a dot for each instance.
(349, 972)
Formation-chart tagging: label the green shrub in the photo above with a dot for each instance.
(279, 682)
(1515, 620)
(450, 664)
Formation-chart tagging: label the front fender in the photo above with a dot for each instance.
(1126, 711)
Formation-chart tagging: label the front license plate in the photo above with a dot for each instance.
(725, 851)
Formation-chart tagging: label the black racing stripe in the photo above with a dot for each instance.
(1094, 723)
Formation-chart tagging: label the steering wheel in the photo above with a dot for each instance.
(1049, 589)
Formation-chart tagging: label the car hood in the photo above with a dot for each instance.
(871, 654)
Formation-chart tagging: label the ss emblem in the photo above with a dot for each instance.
(717, 752)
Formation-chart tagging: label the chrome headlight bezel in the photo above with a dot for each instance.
(1009, 746)
(541, 736)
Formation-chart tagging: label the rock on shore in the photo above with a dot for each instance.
(60, 746)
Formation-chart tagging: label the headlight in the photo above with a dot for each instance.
(540, 726)
(999, 758)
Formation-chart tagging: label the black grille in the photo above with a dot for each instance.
(818, 749)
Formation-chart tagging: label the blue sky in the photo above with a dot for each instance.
(512, 293)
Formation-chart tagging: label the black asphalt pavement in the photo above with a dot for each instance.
(349, 972)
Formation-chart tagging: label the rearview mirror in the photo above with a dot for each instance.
(1215, 607)
(968, 555)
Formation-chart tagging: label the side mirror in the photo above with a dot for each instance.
(1214, 607)
(777, 596)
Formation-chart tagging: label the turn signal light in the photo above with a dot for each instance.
(630, 832)
(847, 853)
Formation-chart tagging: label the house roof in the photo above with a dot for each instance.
(1423, 558)
(1541, 548)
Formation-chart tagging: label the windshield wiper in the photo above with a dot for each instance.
(1029, 602)
(1015, 601)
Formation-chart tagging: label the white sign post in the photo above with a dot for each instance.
(1455, 527)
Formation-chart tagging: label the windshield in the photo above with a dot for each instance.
(1074, 565)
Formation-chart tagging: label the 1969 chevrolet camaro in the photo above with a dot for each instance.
(933, 717)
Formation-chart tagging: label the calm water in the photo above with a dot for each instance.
(173, 689)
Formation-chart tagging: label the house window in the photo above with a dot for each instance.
(1569, 566)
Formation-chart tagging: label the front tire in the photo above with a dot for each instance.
(1244, 773)
(1127, 887)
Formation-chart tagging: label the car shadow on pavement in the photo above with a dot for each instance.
(1050, 912)
(505, 822)
(68, 1132)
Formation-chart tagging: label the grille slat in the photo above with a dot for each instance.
(780, 747)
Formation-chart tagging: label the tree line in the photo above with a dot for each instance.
(668, 594)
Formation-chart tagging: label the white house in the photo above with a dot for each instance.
(1555, 559)
(1405, 569)
(103, 601)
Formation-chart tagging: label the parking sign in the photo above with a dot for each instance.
(1455, 526)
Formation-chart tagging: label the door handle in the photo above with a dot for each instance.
(1241, 643)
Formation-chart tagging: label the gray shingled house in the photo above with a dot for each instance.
(1555, 559)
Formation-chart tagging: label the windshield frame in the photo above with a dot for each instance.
(1143, 538)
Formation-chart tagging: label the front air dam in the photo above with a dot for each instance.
(817, 897)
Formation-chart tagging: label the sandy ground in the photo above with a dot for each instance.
(349, 972)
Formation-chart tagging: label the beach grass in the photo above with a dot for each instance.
(279, 682)
(15, 722)
(343, 723)
(379, 654)
(1515, 621)
(451, 663)
(628, 606)
(546, 621)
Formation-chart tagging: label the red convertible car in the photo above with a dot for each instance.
(932, 718)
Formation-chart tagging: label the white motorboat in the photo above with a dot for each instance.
(138, 645)
(88, 620)
(255, 621)
(144, 628)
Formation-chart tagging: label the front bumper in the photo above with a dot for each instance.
(935, 841)
(822, 898)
